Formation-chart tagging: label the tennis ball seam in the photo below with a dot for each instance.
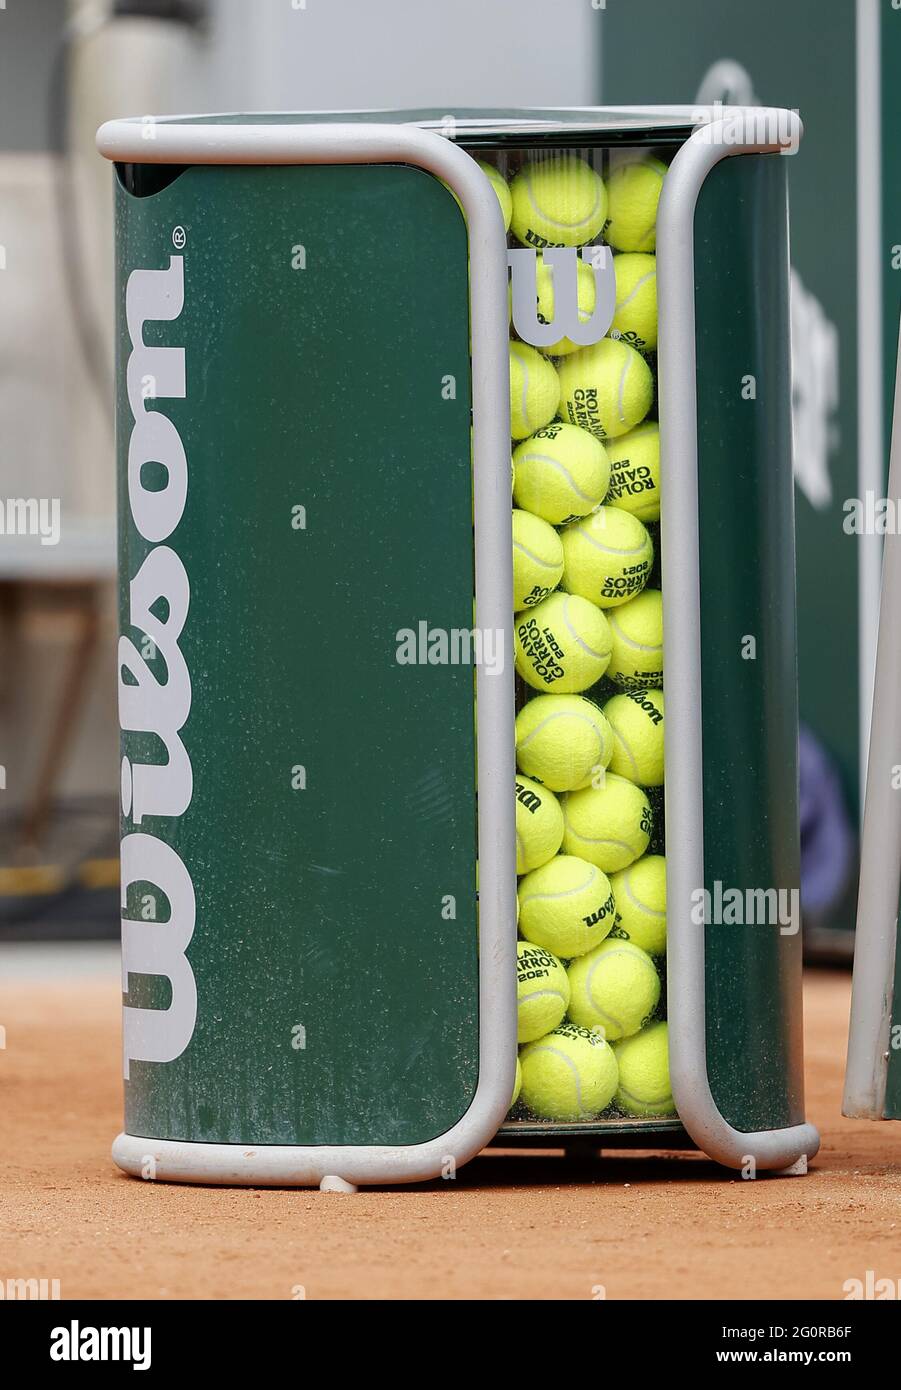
(623, 303)
(641, 962)
(645, 232)
(646, 1100)
(615, 550)
(554, 643)
(522, 354)
(627, 751)
(580, 641)
(541, 215)
(557, 995)
(630, 641)
(602, 840)
(634, 485)
(642, 906)
(564, 714)
(561, 468)
(648, 428)
(564, 893)
(594, 384)
(538, 559)
(524, 393)
(617, 1023)
(608, 1021)
(621, 393)
(570, 1063)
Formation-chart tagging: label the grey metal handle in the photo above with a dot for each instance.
(770, 1149)
(875, 941)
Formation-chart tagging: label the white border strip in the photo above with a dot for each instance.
(686, 984)
(135, 136)
(870, 366)
(281, 1165)
(876, 937)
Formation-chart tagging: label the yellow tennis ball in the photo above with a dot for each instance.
(537, 560)
(534, 391)
(644, 1081)
(539, 825)
(570, 1074)
(607, 557)
(561, 473)
(609, 825)
(563, 645)
(557, 201)
(637, 631)
(542, 991)
(635, 472)
(633, 192)
(636, 719)
(635, 319)
(606, 389)
(562, 741)
(640, 896)
(586, 298)
(517, 1084)
(499, 184)
(614, 989)
(567, 906)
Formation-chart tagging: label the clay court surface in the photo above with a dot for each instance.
(510, 1227)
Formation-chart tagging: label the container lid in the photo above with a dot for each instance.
(132, 139)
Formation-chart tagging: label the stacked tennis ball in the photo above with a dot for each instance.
(588, 636)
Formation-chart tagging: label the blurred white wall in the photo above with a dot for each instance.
(298, 55)
(346, 54)
(253, 55)
(56, 436)
(138, 67)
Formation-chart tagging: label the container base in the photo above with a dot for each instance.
(241, 1165)
(606, 1134)
(235, 1165)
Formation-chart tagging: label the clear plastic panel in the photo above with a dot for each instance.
(587, 635)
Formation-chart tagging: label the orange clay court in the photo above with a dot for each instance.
(526, 1226)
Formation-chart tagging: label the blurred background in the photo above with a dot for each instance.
(68, 65)
(65, 67)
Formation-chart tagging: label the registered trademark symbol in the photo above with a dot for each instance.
(179, 237)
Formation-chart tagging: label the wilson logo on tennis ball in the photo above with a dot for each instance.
(528, 799)
(147, 705)
(639, 698)
(603, 911)
(559, 302)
